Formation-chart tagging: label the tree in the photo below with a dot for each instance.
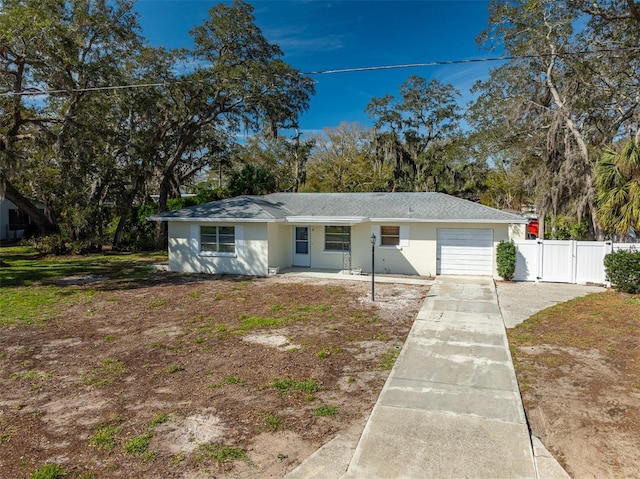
(419, 133)
(286, 159)
(566, 92)
(93, 153)
(618, 183)
(252, 180)
(344, 160)
(48, 147)
(505, 187)
(240, 82)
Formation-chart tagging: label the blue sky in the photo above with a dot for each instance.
(327, 35)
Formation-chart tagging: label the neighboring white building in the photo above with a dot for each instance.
(415, 233)
(13, 222)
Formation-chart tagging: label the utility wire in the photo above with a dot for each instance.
(469, 60)
(332, 72)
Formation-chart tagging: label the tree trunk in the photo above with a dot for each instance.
(541, 225)
(43, 223)
(162, 238)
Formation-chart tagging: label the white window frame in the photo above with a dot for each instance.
(196, 240)
(329, 250)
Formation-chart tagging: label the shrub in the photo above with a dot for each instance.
(623, 270)
(51, 244)
(506, 256)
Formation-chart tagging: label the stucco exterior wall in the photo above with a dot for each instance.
(419, 256)
(320, 258)
(263, 245)
(250, 258)
(517, 232)
(280, 239)
(415, 255)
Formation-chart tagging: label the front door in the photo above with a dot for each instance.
(301, 253)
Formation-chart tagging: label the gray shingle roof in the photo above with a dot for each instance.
(365, 206)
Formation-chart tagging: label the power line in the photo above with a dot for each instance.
(469, 60)
(90, 89)
(335, 71)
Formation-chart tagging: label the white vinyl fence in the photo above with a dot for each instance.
(578, 262)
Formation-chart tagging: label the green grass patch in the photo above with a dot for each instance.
(30, 376)
(221, 453)
(29, 295)
(175, 368)
(241, 285)
(138, 445)
(27, 267)
(106, 374)
(160, 418)
(49, 471)
(325, 410)
(233, 380)
(104, 436)
(158, 303)
(250, 323)
(308, 386)
(6, 432)
(177, 459)
(273, 422)
(113, 367)
(389, 358)
(326, 352)
(32, 305)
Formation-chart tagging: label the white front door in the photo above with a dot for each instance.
(301, 250)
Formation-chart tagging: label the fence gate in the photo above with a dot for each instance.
(555, 261)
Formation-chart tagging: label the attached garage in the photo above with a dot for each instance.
(465, 251)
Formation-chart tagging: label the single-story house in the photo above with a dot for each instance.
(415, 233)
(13, 222)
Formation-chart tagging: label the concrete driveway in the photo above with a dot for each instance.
(520, 300)
(451, 405)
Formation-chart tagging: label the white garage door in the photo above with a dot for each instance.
(465, 251)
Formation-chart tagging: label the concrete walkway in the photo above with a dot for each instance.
(450, 407)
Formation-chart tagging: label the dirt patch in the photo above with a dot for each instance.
(200, 368)
(579, 373)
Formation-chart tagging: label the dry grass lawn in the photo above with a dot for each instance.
(578, 365)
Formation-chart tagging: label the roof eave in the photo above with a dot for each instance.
(327, 219)
(454, 220)
(213, 219)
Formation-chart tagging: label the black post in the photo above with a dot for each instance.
(373, 267)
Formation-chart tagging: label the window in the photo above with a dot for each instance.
(217, 239)
(389, 236)
(337, 238)
(18, 220)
